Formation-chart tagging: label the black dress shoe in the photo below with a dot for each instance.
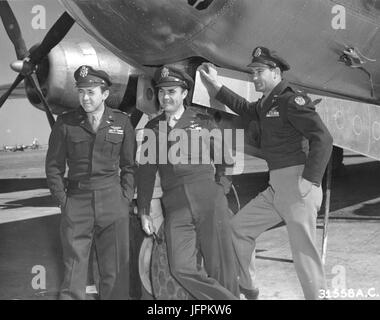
(250, 294)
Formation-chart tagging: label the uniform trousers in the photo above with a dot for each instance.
(100, 216)
(282, 201)
(197, 220)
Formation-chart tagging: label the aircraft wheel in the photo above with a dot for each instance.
(164, 286)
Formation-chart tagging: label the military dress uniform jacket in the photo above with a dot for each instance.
(93, 159)
(185, 171)
(291, 131)
(196, 212)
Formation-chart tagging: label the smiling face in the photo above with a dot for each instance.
(92, 98)
(265, 78)
(171, 98)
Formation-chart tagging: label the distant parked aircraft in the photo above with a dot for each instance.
(21, 147)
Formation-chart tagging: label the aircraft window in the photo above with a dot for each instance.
(200, 4)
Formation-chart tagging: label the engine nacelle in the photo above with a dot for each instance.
(56, 76)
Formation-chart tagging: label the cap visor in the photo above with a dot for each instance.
(89, 84)
(258, 64)
(171, 84)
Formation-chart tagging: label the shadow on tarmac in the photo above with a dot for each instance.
(25, 244)
(22, 184)
(356, 184)
(369, 209)
(44, 201)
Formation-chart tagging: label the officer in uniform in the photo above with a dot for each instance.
(93, 141)
(197, 218)
(297, 147)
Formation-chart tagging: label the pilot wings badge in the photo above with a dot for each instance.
(116, 130)
(195, 126)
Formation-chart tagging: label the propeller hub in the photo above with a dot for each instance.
(25, 67)
(17, 66)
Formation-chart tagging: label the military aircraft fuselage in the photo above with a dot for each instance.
(311, 35)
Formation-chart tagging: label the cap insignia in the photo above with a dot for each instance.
(164, 72)
(257, 52)
(83, 71)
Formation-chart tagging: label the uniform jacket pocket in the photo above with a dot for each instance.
(79, 147)
(114, 143)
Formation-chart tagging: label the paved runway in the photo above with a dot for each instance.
(29, 238)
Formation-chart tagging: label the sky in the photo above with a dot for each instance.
(20, 122)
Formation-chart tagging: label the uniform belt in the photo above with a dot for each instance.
(88, 185)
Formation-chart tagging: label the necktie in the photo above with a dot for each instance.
(95, 123)
(262, 101)
(172, 121)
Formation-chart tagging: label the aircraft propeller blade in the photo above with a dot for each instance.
(34, 82)
(28, 66)
(56, 33)
(13, 30)
(5, 96)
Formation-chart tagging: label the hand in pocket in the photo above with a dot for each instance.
(304, 186)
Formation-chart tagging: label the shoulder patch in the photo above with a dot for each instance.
(300, 100)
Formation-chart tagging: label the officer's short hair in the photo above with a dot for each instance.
(104, 88)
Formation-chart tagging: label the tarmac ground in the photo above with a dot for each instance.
(30, 245)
